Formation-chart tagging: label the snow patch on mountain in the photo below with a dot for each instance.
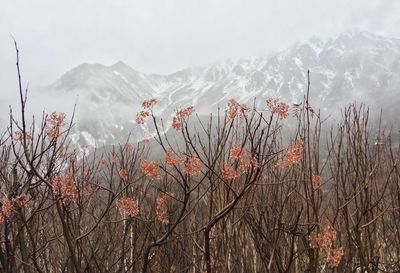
(353, 65)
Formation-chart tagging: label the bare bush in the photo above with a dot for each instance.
(231, 194)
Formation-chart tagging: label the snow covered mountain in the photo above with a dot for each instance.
(353, 66)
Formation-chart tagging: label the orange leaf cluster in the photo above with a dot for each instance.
(143, 114)
(176, 124)
(114, 159)
(148, 103)
(55, 119)
(315, 182)
(324, 240)
(179, 115)
(161, 208)
(281, 108)
(150, 169)
(234, 108)
(53, 124)
(65, 187)
(334, 256)
(123, 174)
(128, 206)
(141, 117)
(192, 166)
(184, 112)
(19, 136)
(228, 172)
(292, 155)
(236, 151)
(8, 206)
(173, 160)
(6, 209)
(245, 163)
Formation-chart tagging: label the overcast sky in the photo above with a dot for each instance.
(167, 35)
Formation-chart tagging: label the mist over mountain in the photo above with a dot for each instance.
(354, 66)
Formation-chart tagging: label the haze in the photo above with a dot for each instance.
(165, 36)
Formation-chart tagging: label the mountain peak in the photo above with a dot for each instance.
(120, 64)
(350, 66)
(87, 67)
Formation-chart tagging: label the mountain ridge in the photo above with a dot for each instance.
(352, 66)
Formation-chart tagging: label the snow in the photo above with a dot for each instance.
(280, 75)
(89, 138)
(349, 79)
(121, 76)
(298, 62)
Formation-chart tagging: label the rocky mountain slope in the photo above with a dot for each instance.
(354, 66)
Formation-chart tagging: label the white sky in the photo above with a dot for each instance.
(165, 36)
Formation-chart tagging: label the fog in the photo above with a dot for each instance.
(165, 36)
